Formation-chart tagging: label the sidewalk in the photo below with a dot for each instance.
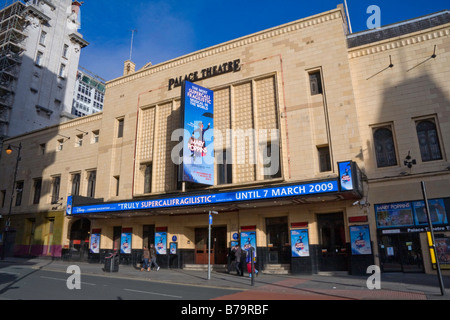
(403, 286)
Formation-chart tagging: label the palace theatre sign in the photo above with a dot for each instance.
(226, 67)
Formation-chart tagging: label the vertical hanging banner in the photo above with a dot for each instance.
(198, 141)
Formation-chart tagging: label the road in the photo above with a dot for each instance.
(27, 283)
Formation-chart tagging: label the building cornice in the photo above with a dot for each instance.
(232, 44)
(401, 41)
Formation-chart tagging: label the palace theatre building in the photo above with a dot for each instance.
(309, 129)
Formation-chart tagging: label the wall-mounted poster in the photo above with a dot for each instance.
(161, 242)
(173, 248)
(360, 240)
(125, 243)
(443, 251)
(438, 213)
(95, 243)
(300, 243)
(198, 143)
(398, 214)
(248, 239)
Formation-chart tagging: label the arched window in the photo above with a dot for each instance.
(428, 140)
(384, 147)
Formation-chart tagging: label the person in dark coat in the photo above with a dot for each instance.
(238, 260)
(146, 258)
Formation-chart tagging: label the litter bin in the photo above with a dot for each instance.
(112, 263)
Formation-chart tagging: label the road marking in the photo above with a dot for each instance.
(155, 293)
(65, 280)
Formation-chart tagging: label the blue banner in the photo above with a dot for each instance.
(217, 198)
(345, 175)
(198, 140)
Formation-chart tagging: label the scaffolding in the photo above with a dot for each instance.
(12, 36)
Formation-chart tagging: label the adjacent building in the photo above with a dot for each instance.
(89, 93)
(321, 141)
(40, 48)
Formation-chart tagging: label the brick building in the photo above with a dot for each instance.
(305, 96)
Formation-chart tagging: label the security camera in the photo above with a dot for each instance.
(356, 202)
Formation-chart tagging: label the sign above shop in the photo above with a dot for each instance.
(207, 198)
(226, 67)
(326, 186)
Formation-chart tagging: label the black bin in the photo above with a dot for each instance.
(112, 263)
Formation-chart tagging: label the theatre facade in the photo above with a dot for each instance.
(306, 134)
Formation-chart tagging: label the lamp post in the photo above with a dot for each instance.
(209, 242)
(9, 151)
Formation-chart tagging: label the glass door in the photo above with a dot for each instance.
(401, 253)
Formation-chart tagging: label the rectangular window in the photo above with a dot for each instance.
(42, 149)
(92, 177)
(42, 37)
(37, 187)
(224, 167)
(3, 198)
(120, 124)
(65, 50)
(62, 70)
(76, 178)
(79, 140)
(324, 158)
(148, 178)
(117, 183)
(56, 183)
(19, 192)
(59, 144)
(95, 136)
(39, 58)
(315, 82)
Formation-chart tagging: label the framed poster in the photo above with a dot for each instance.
(125, 243)
(248, 239)
(299, 243)
(161, 242)
(360, 239)
(173, 248)
(94, 246)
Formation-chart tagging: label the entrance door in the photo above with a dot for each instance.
(401, 253)
(332, 248)
(277, 240)
(218, 245)
(79, 239)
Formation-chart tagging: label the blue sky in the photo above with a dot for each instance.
(167, 29)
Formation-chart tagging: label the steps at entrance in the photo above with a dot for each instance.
(277, 269)
(204, 267)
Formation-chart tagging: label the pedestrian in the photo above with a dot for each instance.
(153, 257)
(248, 260)
(145, 259)
(237, 255)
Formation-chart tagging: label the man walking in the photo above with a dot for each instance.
(237, 254)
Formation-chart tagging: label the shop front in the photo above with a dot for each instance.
(276, 220)
(402, 229)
